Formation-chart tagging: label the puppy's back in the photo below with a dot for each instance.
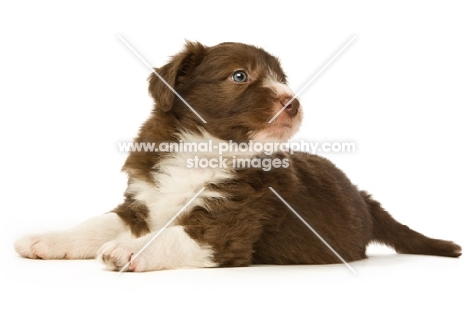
(346, 218)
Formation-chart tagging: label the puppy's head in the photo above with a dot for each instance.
(236, 88)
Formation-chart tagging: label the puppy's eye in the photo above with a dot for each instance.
(239, 76)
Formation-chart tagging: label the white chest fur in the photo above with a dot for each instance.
(175, 183)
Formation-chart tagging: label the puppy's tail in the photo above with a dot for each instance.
(388, 231)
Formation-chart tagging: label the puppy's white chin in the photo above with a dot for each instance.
(279, 132)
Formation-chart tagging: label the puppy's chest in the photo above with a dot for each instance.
(176, 182)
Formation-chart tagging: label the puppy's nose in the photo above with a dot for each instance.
(292, 107)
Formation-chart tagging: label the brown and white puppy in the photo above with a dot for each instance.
(237, 220)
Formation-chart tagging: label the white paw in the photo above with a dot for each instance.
(117, 254)
(45, 246)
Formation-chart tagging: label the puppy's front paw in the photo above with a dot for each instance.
(117, 254)
(45, 246)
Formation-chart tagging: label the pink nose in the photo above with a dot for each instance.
(292, 105)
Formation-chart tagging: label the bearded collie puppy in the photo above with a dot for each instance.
(199, 208)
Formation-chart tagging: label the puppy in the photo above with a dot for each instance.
(231, 217)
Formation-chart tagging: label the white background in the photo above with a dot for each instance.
(70, 91)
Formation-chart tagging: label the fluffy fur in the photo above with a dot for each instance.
(236, 220)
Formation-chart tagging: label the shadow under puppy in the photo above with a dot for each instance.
(236, 220)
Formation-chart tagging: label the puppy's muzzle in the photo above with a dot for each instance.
(292, 108)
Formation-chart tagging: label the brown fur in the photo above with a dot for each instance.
(135, 215)
(251, 225)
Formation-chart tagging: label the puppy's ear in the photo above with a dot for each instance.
(173, 72)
